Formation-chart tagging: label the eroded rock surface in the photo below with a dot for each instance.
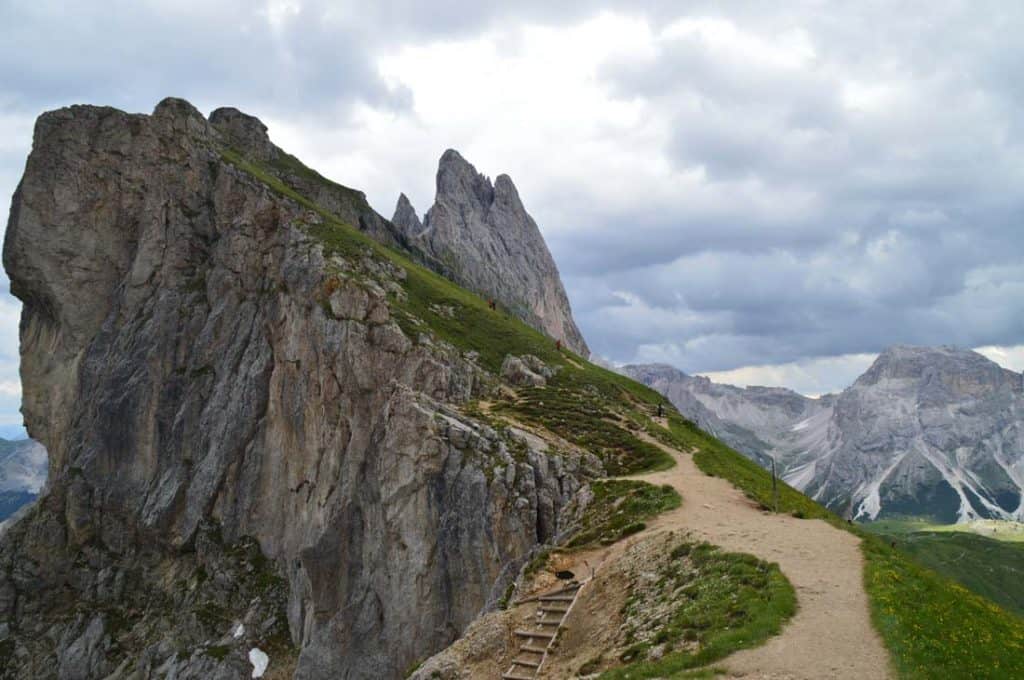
(238, 429)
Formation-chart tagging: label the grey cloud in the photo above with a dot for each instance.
(819, 229)
(914, 228)
(133, 54)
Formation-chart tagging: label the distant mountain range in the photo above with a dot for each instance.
(22, 474)
(926, 431)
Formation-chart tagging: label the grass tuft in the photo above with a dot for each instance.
(618, 509)
(722, 602)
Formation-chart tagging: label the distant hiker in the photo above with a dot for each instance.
(661, 410)
(490, 303)
(558, 345)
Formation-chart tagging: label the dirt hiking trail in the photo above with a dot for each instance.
(831, 635)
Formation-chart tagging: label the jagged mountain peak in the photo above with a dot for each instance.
(963, 371)
(482, 237)
(405, 217)
(457, 178)
(245, 132)
(176, 107)
(642, 372)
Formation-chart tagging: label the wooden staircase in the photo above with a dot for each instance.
(534, 644)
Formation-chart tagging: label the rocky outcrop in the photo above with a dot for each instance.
(239, 431)
(930, 431)
(247, 135)
(405, 218)
(481, 236)
(525, 371)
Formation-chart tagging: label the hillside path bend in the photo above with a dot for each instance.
(831, 635)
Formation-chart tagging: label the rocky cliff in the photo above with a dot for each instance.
(256, 422)
(935, 432)
(481, 236)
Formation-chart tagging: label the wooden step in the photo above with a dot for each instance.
(525, 663)
(514, 676)
(550, 623)
(572, 588)
(568, 590)
(550, 609)
(557, 598)
(534, 634)
(532, 650)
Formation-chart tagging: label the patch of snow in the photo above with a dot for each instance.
(799, 477)
(872, 503)
(956, 479)
(802, 425)
(239, 631)
(259, 660)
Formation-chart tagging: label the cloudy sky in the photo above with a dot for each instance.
(768, 196)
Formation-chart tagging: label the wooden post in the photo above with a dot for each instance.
(775, 488)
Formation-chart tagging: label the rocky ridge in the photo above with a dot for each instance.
(931, 431)
(252, 424)
(484, 239)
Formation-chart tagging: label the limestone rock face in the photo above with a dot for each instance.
(238, 430)
(405, 217)
(519, 371)
(934, 431)
(481, 236)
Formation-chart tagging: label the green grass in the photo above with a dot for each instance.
(1001, 530)
(896, 527)
(990, 568)
(935, 628)
(290, 165)
(729, 601)
(591, 420)
(619, 508)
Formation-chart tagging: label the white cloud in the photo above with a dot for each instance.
(1007, 357)
(824, 375)
(812, 377)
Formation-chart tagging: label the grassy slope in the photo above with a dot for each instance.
(993, 569)
(933, 627)
(730, 601)
(619, 509)
(1001, 530)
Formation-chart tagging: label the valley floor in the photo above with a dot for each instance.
(831, 635)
